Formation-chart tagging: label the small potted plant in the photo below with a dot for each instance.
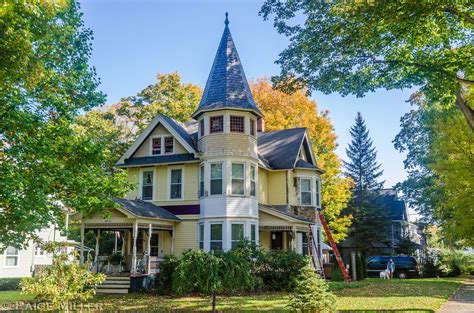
(115, 258)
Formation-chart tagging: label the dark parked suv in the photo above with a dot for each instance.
(405, 266)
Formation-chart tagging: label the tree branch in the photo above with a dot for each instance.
(455, 11)
(466, 110)
(464, 81)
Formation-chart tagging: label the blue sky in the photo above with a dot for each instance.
(134, 40)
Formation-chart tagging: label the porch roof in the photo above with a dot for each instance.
(283, 210)
(145, 209)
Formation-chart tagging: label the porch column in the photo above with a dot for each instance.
(149, 249)
(96, 258)
(293, 238)
(134, 247)
(81, 259)
(123, 242)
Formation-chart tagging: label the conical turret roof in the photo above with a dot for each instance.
(227, 86)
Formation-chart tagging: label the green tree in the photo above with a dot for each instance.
(64, 282)
(369, 217)
(298, 110)
(406, 246)
(311, 293)
(354, 48)
(46, 159)
(440, 184)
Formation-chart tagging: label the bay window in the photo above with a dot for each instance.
(201, 236)
(237, 124)
(216, 237)
(237, 234)
(253, 234)
(201, 181)
(318, 192)
(253, 181)
(216, 179)
(238, 181)
(305, 191)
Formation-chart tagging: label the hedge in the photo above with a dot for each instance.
(7, 284)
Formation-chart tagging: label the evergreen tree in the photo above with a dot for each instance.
(362, 167)
(369, 217)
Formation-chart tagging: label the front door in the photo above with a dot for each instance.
(277, 240)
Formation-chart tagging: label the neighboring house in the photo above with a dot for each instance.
(398, 227)
(16, 262)
(215, 181)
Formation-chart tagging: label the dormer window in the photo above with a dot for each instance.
(156, 146)
(216, 124)
(169, 145)
(237, 124)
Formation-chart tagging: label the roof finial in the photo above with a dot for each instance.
(226, 19)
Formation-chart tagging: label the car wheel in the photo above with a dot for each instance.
(402, 275)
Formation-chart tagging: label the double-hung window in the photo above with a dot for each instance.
(318, 192)
(11, 257)
(237, 124)
(253, 181)
(169, 145)
(176, 184)
(216, 179)
(201, 236)
(237, 234)
(238, 181)
(201, 181)
(216, 237)
(253, 234)
(305, 191)
(252, 127)
(156, 146)
(147, 185)
(216, 124)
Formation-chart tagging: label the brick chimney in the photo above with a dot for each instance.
(260, 125)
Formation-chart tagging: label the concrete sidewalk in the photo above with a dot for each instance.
(462, 301)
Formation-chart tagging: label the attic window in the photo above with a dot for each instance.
(169, 144)
(237, 124)
(156, 146)
(216, 124)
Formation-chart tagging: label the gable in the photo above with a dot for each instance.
(144, 149)
(306, 152)
(179, 133)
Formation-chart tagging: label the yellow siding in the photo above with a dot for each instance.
(262, 186)
(186, 236)
(166, 242)
(265, 241)
(133, 177)
(160, 130)
(292, 189)
(277, 187)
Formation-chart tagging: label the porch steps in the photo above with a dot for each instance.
(114, 285)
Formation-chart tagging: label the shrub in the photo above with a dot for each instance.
(7, 284)
(63, 282)
(430, 268)
(311, 293)
(165, 277)
(454, 262)
(336, 273)
(278, 269)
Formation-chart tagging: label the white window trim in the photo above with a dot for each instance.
(10, 256)
(222, 234)
(255, 180)
(182, 182)
(202, 179)
(317, 188)
(141, 183)
(210, 194)
(243, 231)
(256, 233)
(201, 236)
(311, 190)
(162, 145)
(244, 180)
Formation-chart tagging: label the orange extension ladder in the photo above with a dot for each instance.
(334, 248)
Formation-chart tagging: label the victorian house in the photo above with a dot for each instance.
(215, 181)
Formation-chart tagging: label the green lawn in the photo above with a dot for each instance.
(371, 294)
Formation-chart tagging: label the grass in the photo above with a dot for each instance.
(419, 295)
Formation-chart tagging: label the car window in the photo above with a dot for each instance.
(372, 260)
(384, 259)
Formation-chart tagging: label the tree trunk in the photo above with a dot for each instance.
(466, 110)
(214, 302)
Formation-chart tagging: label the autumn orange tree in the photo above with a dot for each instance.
(283, 111)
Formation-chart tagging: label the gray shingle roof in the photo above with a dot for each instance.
(180, 130)
(280, 148)
(304, 164)
(145, 209)
(159, 159)
(227, 86)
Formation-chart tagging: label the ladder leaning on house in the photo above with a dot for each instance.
(317, 262)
